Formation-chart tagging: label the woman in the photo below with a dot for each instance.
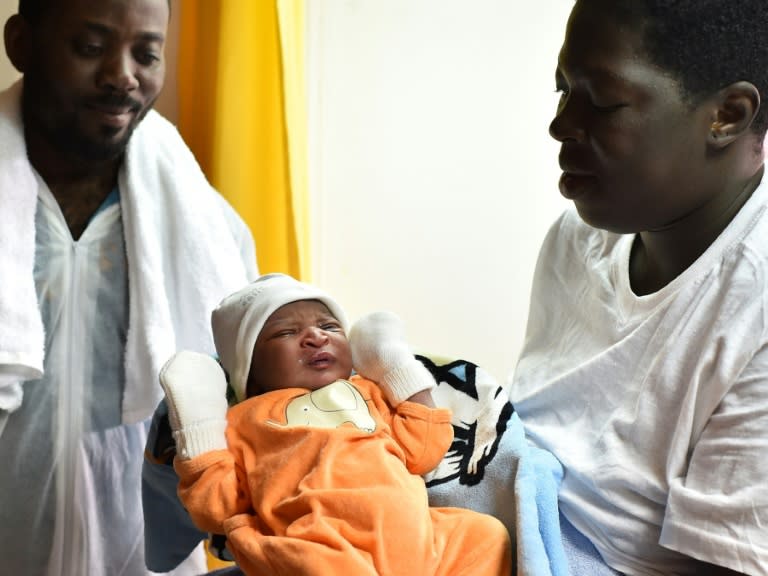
(645, 367)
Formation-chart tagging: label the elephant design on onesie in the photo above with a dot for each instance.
(331, 406)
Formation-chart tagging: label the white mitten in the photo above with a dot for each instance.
(381, 353)
(196, 393)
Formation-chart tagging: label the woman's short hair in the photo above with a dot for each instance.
(705, 44)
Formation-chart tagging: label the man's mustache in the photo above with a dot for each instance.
(115, 101)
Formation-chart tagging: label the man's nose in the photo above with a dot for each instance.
(118, 72)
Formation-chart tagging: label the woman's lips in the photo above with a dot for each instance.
(574, 184)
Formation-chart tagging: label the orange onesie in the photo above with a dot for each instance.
(327, 483)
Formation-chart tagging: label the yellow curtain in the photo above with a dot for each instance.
(242, 111)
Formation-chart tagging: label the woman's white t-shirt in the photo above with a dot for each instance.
(656, 405)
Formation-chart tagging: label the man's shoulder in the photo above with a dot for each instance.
(158, 154)
(162, 136)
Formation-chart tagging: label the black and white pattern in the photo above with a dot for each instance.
(481, 412)
(492, 468)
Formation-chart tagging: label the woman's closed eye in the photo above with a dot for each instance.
(602, 105)
(607, 108)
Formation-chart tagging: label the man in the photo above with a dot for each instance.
(114, 249)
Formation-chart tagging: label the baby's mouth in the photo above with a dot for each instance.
(320, 359)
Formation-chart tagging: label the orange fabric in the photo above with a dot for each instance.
(297, 499)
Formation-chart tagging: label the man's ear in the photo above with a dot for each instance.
(736, 108)
(16, 41)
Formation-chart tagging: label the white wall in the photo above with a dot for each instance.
(7, 72)
(432, 173)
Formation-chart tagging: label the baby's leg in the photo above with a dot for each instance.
(258, 555)
(471, 543)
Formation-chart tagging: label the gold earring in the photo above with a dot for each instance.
(717, 130)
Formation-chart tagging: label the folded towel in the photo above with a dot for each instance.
(182, 256)
(21, 329)
(492, 468)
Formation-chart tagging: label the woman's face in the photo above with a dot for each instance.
(631, 147)
(300, 346)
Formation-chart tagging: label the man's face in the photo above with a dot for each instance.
(92, 71)
(300, 346)
(631, 147)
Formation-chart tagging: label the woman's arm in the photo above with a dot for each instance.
(717, 511)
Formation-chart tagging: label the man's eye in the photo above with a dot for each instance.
(89, 49)
(147, 58)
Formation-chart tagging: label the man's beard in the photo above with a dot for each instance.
(69, 139)
(94, 150)
(64, 134)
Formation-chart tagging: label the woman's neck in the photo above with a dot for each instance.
(660, 256)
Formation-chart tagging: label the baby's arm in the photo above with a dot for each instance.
(381, 353)
(195, 389)
(425, 435)
(210, 490)
(424, 397)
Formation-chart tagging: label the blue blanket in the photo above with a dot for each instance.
(491, 467)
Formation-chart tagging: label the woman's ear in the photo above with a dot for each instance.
(737, 106)
(16, 40)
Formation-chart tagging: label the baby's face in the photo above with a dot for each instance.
(301, 346)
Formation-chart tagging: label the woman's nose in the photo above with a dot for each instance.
(566, 125)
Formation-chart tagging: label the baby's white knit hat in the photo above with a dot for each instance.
(239, 318)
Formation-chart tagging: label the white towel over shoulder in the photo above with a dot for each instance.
(182, 256)
(21, 329)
